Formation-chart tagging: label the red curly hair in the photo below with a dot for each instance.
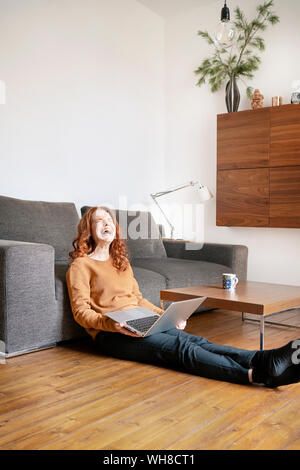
(84, 244)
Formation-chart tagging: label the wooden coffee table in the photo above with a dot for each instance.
(258, 298)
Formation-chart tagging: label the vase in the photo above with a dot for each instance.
(232, 96)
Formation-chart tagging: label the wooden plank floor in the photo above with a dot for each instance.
(72, 397)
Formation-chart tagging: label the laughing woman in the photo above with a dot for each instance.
(100, 280)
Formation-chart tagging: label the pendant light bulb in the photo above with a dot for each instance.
(225, 32)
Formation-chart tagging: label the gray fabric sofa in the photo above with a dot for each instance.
(35, 240)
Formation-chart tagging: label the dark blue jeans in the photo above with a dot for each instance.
(181, 351)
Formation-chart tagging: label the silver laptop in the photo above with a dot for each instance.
(144, 322)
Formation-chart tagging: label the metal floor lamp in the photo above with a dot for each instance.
(203, 194)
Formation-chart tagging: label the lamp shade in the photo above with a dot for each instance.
(2, 92)
(203, 193)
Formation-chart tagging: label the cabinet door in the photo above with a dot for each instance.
(243, 139)
(285, 197)
(285, 135)
(243, 197)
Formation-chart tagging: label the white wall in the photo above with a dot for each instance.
(274, 254)
(84, 119)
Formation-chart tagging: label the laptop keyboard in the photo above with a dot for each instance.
(143, 324)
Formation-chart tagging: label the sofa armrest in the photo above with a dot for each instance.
(27, 296)
(233, 256)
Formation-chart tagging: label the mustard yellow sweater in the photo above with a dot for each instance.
(97, 287)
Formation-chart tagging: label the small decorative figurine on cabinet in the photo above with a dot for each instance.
(257, 100)
(296, 92)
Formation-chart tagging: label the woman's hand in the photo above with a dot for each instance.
(124, 331)
(181, 325)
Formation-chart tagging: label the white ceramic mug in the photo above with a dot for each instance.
(230, 281)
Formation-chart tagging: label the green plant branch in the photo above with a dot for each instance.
(249, 37)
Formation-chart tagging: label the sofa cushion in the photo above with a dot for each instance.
(141, 233)
(150, 283)
(52, 223)
(182, 273)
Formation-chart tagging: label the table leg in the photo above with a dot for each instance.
(162, 304)
(262, 332)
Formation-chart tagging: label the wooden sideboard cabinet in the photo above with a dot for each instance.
(258, 167)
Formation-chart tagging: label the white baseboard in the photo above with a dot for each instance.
(25, 351)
